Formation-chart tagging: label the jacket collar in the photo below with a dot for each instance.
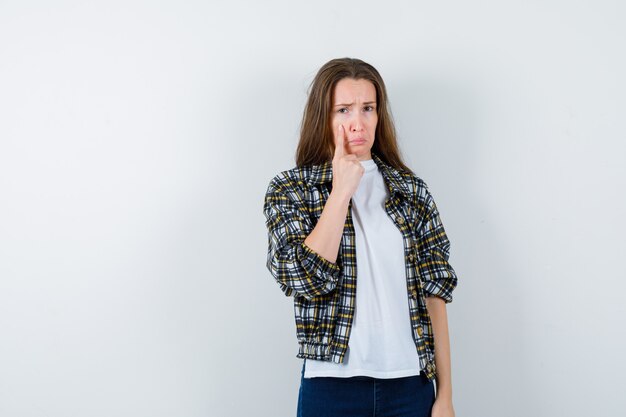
(323, 173)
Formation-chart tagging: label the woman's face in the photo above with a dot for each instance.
(354, 107)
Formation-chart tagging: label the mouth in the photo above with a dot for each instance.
(357, 141)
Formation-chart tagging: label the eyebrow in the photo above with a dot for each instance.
(350, 104)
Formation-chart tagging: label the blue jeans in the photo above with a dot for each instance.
(411, 396)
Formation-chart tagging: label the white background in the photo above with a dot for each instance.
(137, 140)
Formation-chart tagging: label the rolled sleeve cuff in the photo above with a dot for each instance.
(318, 266)
(441, 288)
(446, 298)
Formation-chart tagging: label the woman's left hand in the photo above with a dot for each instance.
(442, 408)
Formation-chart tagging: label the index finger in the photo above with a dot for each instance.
(340, 140)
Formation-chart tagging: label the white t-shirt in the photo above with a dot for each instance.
(381, 343)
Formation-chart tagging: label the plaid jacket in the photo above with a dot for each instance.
(324, 293)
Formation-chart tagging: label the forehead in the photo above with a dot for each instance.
(350, 89)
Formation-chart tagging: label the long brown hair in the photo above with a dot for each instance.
(316, 143)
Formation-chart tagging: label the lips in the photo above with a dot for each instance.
(357, 141)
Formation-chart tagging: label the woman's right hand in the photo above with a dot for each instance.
(347, 170)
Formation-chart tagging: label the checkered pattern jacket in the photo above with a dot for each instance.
(324, 293)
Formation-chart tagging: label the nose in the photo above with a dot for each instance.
(357, 122)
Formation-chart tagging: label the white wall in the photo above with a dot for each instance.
(137, 140)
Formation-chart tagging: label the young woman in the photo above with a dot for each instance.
(355, 237)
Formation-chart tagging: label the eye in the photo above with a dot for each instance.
(369, 108)
(341, 110)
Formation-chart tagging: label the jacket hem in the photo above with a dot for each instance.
(323, 352)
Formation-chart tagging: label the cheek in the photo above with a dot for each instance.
(336, 120)
(372, 122)
(334, 125)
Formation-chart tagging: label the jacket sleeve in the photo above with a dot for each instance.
(433, 249)
(297, 269)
